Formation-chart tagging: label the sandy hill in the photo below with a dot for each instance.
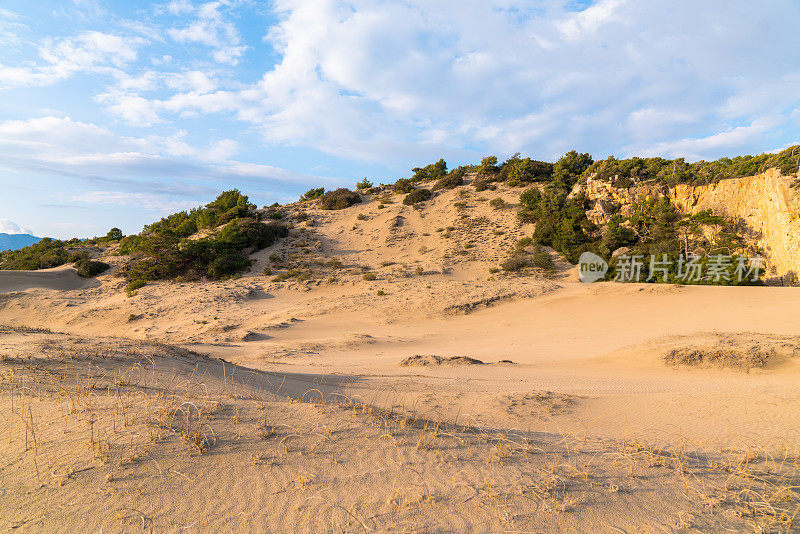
(386, 375)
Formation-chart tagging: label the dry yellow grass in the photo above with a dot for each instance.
(118, 435)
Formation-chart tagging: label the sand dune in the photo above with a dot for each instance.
(678, 402)
(110, 434)
(60, 278)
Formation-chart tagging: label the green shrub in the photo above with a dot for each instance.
(162, 252)
(339, 199)
(227, 265)
(45, 254)
(520, 171)
(90, 268)
(311, 194)
(115, 234)
(542, 260)
(481, 184)
(370, 276)
(417, 195)
(524, 243)
(569, 168)
(293, 273)
(488, 165)
(361, 217)
(497, 203)
(364, 184)
(453, 179)
(133, 285)
(381, 293)
(403, 185)
(515, 263)
(434, 171)
(627, 172)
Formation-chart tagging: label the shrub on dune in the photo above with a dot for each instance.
(417, 195)
(339, 199)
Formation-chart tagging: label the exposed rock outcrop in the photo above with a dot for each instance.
(610, 200)
(767, 204)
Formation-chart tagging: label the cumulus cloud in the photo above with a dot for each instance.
(10, 227)
(389, 81)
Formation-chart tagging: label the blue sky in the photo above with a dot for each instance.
(115, 113)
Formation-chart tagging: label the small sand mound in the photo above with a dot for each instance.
(431, 359)
(735, 351)
(254, 336)
(744, 359)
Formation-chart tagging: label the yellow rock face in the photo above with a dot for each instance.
(767, 203)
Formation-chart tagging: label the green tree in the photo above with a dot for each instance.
(115, 234)
(571, 166)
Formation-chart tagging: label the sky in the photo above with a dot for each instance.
(114, 113)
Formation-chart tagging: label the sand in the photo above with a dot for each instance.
(59, 278)
(272, 406)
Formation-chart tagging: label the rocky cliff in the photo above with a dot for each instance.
(766, 203)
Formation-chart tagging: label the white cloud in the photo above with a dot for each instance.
(147, 201)
(88, 52)
(591, 18)
(193, 80)
(10, 227)
(397, 81)
(694, 148)
(62, 147)
(391, 80)
(210, 28)
(10, 28)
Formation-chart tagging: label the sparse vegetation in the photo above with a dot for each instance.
(339, 199)
(488, 166)
(627, 172)
(164, 250)
(417, 195)
(431, 172)
(312, 194)
(90, 268)
(498, 203)
(453, 179)
(403, 185)
(132, 286)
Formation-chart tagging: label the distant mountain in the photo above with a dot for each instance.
(15, 241)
